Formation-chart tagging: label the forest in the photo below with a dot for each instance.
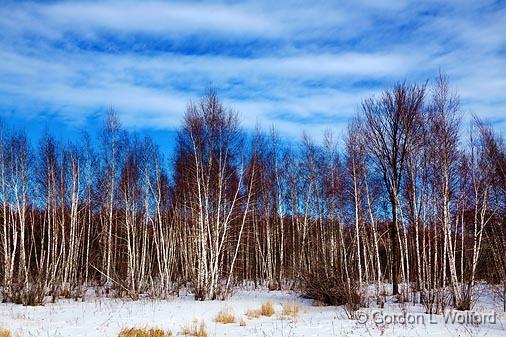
(410, 200)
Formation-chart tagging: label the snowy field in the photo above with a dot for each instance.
(106, 317)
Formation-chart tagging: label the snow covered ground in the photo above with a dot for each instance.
(99, 317)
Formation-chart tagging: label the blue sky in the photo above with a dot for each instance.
(297, 65)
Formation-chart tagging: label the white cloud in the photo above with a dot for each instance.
(315, 64)
(141, 17)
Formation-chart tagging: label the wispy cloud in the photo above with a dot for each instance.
(293, 64)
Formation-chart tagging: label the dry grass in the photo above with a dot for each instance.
(225, 316)
(253, 313)
(267, 309)
(5, 333)
(291, 310)
(242, 322)
(144, 332)
(195, 329)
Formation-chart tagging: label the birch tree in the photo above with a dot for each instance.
(390, 123)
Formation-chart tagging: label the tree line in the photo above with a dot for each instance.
(410, 197)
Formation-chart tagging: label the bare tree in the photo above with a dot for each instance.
(391, 122)
(444, 124)
(210, 182)
(111, 139)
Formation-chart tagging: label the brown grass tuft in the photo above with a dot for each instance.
(5, 333)
(225, 316)
(291, 310)
(195, 329)
(144, 332)
(267, 309)
(253, 313)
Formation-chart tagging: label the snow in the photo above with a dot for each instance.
(97, 317)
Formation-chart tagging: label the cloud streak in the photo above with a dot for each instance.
(293, 65)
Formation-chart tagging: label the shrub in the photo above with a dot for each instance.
(143, 332)
(325, 289)
(195, 329)
(225, 317)
(355, 299)
(32, 294)
(318, 303)
(331, 290)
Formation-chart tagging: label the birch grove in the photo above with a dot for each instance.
(410, 200)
